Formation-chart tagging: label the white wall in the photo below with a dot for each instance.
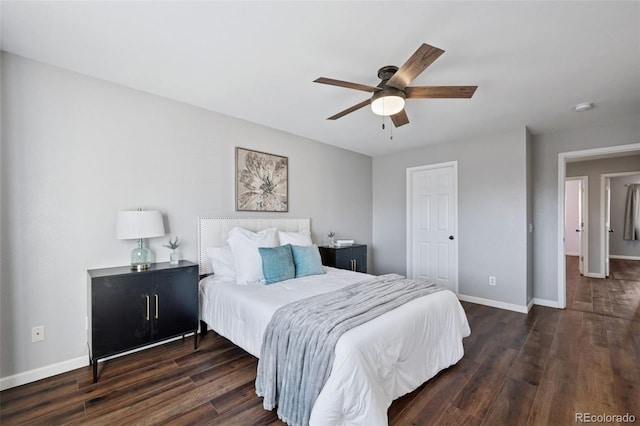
(75, 150)
(546, 148)
(492, 213)
(594, 169)
(572, 217)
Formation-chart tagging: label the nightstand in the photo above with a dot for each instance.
(353, 257)
(131, 309)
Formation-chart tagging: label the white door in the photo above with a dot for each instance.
(572, 217)
(607, 223)
(432, 245)
(576, 217)
(580, 226)
(583, 205)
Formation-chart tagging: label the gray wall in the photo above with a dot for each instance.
(617, 245)
(495, 168)
(594, 169)
(529, 147)
(546, 148)
(492, 212)
(75, 150)
(73, 146)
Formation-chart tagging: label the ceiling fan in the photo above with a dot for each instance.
(389, 95)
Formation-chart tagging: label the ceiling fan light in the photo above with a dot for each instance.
(387, 102)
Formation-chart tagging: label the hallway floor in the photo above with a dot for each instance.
(617, 296)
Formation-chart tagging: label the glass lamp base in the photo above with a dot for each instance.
(140, 257)
(140, 267)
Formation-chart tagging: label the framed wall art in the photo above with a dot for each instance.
(261, 181)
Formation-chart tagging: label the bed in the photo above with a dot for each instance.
(374, 363)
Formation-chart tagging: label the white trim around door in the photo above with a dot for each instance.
(562, 172)
(447, 244)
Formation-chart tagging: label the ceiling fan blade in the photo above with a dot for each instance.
(418, 62)
(400, 119)
(346, 84)
(350, 110)
(424, 92)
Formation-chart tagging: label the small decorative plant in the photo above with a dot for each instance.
(174, 258)
(173, 244)
(332, 236)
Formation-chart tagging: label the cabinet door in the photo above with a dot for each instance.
(175, 294)
(328, 256)
(119, 314)
(359, 255)
(343, 258)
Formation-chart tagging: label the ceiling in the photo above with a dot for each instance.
(532, 61)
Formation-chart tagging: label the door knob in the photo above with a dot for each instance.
(451, 237)
(577, 230)
(610, 230)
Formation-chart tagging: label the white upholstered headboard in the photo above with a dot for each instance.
(214, 232)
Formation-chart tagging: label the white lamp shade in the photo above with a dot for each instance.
(387, 102)
(139, 224)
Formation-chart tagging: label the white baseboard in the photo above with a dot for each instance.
(42, 372)
(566, 253)
(63, 367)
(529, 305)
(615, 256)
(494, 303)
(545, 302)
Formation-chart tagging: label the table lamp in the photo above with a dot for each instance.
(136, 225)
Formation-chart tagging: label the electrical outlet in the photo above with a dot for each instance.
(37, 333)
(492, 280)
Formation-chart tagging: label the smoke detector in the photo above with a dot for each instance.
(584, 106)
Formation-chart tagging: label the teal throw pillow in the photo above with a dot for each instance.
(277, 263)
(307, 260)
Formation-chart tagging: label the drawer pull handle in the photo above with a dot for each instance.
(156, 296)
(147, 296)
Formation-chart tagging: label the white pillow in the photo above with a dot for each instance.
(246, 257)
(301, 238)
(222, 263)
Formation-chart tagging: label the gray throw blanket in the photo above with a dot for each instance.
(298, 346)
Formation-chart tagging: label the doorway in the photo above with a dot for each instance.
(576, 220)
(612, 219)
(432, 223)
(563, 158)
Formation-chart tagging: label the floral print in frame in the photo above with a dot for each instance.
(261, 181)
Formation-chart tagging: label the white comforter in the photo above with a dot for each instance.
(375, 363)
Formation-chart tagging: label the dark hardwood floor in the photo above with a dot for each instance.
(617, 296)
(538, 369)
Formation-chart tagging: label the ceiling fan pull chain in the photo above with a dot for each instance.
(391, 133)
(382, 121)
